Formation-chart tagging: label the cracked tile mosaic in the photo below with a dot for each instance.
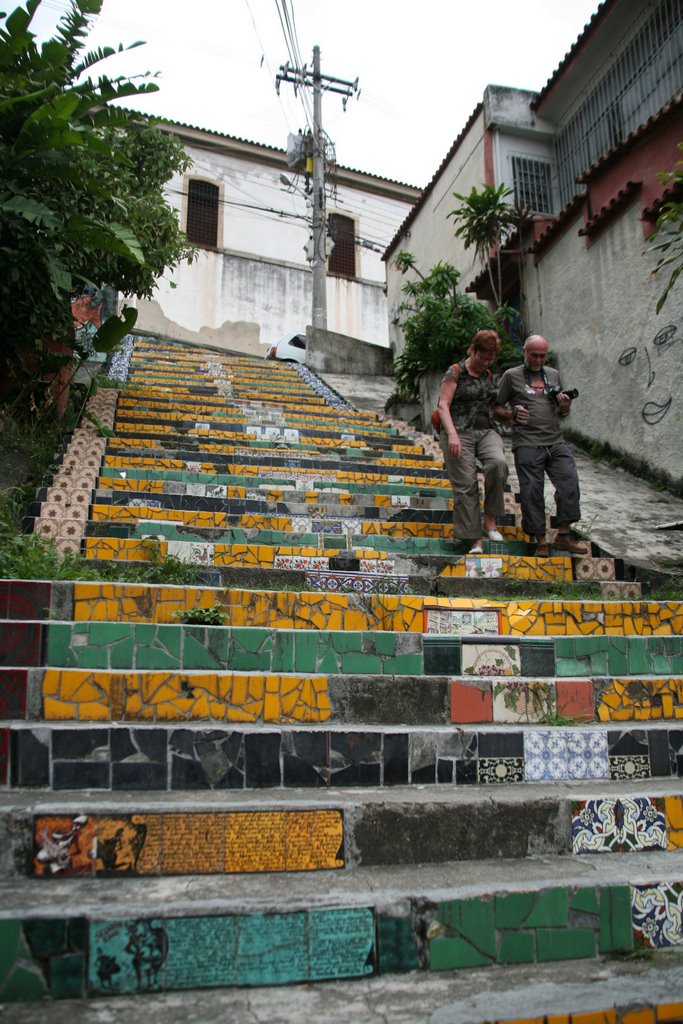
(72, 695)
(644, 699)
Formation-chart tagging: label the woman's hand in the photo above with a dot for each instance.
(454, 444)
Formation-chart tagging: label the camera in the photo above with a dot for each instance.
(554, 391)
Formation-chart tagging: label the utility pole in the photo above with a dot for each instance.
(319, 220)
(301, 78)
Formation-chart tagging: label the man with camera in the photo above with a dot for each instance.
(532, 401)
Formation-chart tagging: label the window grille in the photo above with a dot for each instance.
(202, 213)
(343, 256)
(644, 76)
(532, 183)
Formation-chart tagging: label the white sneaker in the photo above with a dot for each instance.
(494, 535)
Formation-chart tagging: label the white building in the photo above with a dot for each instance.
(251, 281)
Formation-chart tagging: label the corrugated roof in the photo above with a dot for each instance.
(588, 30)
(430, 187)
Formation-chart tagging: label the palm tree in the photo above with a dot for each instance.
(485, 218)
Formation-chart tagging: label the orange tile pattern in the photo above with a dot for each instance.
(87, 696)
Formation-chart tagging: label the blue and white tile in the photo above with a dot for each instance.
(657, 914)
(624, 824)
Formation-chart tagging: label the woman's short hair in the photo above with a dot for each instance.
(485, 341)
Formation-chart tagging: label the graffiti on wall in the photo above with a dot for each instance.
(652, 411)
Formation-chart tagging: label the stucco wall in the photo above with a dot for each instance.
(258, 285)
(596, 306)
(431, 235)
(237, 302)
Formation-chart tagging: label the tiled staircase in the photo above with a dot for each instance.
(346, 749)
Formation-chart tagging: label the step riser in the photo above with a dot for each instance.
(565, 621)
(193, 757)
(144, 843)
(82, 957)
(98, 694)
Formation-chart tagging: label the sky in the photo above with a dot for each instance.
(422, 66)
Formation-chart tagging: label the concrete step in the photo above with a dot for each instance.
(130, 936)
(124, 833)
(607, 990)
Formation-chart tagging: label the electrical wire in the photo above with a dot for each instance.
(264, 58)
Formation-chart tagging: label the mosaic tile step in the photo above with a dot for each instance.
(226, 439)
(226, 457)
(650, 642)
(243, 418)
(573, 700)
(171, 843)
(261, 505)
(119, 941)
(579, 626)
(293, 501)
(115, 469)
(185, 416)
(262, 492)
(120, 842)
(383, 543)
(197, 468)
(166, 756)
(230, 444)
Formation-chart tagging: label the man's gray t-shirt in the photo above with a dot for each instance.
(543, 425)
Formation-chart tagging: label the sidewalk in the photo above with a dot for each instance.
(621, 513)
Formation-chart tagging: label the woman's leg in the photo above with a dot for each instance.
(462, 473)
(491, 454)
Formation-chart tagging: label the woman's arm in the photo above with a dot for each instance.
(446, 393)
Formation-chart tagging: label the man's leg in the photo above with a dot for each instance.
(530, 465)
(562, 472)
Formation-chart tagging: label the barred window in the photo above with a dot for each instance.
(343, 256)
(202, 213)
(533, 188)
(642, 77)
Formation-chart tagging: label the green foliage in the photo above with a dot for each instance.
(668, 237)
(80, 195)
(204, 616)
(484, 220)
(439, 322)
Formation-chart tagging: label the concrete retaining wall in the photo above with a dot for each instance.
(328, 352)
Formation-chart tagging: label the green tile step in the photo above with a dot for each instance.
(228, 931)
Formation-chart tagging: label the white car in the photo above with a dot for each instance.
(290, 347)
